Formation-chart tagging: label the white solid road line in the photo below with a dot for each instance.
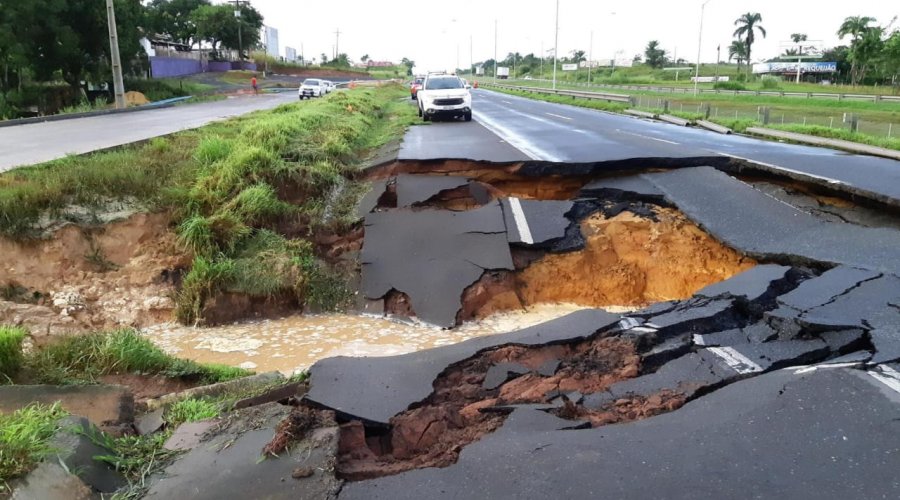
(779, 167)
(521, 221)
(559, 116)
(506, 102)
(887, 376)
(737, 361)
(648, 137)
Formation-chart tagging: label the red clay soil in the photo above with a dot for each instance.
(433, 433)
(624, 410)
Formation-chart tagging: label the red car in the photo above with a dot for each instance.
(415, 87)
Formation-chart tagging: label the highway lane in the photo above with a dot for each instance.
(40, 142)
(560, 133)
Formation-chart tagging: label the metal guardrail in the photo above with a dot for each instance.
(599, 96)
(689, 90)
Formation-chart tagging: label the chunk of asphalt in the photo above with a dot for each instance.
(841, 341)
(775, 355)
(412, 188)
(110, 407)
(686, 375)
(250, 383)
(370, 200)
(887, 345)
(628, 188)
(500, 373)
(50, 481)
(760, 225)
(693, 314)
(750, 437)
(760, 332)
(433, 256)
(228, 464)
(548, 368)
(75, 447)
(867, 305)
(188, 435)
(667, 350)
(821, 289)
(535, 222)
(752, 284)
(151, 422)
(276, 394)
(728, 337)
(377, 388)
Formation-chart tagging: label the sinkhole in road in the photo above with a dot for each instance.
(609, 249)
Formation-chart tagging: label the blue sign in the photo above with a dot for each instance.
(791, 67)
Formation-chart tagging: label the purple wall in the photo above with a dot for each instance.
(218, 66)
(249, 66)
(162, 67)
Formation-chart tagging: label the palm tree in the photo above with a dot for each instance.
(855, 27)
(748, 25)
(798, 38)
(737, 50)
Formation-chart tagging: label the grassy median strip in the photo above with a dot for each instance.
(246, 195)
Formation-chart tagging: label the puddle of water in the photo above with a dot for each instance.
(294, 343)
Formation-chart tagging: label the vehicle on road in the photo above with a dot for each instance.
(312, 87)
(503, 72)
(444, 96)
(329, 86)
(466, 83)
(415, 87)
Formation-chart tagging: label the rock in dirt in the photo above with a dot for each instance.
(111, 407)
(230, 464)
(150, 422)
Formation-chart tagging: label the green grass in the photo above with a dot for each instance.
(11, 357)
(135, 457)
(24, 439)
(81, 359)
(842, 134)
(191, 410)
(614, 107)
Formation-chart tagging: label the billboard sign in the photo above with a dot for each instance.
(791, 67)
(616, 63)
(569, 67)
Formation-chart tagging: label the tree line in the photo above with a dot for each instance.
(872, 56)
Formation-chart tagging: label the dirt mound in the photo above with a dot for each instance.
(133, 98)
(121, 274)
(628, 260)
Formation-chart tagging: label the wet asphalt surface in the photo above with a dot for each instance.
(790, 369)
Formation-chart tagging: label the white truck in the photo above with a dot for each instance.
(502, 72)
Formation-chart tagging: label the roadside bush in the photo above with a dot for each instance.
(206, 277)
(729, 86)
(771, 83)
(10, 351)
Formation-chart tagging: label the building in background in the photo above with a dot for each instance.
(270, 39)
(290, 54)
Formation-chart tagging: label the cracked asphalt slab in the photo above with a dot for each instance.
(781, 381)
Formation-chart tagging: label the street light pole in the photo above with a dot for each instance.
(542, 59)
(495, 51)
(115, 60)
(556, 45)
(699, 46)
(590, 57)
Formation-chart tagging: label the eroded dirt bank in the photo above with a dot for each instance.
(120, 274)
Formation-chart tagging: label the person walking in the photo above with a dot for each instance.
(254, 85)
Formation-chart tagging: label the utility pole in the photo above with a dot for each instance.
(116, 62)
(556, 45)
(699, 45)
(590, 56)
(337, 43)
(718, 58)
(495, 51)
(303, 55)
(237, 14)
(471, 59)
(542, 59)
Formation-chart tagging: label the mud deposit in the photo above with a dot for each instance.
(121, 274)
(469, 401)
(627, 260)
(296, 342)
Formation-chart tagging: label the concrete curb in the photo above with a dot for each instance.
(853, 147)
(681, 122)
(168, 103)
(642, 114)
(715, 127)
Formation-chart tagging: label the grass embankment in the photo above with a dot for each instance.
(740, 124)
(247, 195)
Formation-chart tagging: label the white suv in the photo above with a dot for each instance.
(444, 95)
(312, 88)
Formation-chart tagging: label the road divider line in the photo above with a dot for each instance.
(779, 167)
(521, 221)
(648, 137)
(887, 376)
(559, 116)
(737, 361)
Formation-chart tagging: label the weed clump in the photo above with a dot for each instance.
(10, 352)
(24, 439)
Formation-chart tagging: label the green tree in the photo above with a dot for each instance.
(654, 56)
(578, 56)
(410, 64)
(856, 27)
(748, 24)
(364, 58)
(738, 51)
(218, 25)
(174, 18)
(891, 56)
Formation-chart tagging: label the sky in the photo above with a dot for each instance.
(438, 34)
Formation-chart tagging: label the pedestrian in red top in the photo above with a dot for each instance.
(255, 87)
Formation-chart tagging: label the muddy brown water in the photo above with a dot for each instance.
(294, 343)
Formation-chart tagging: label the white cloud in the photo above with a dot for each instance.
(429, 32)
